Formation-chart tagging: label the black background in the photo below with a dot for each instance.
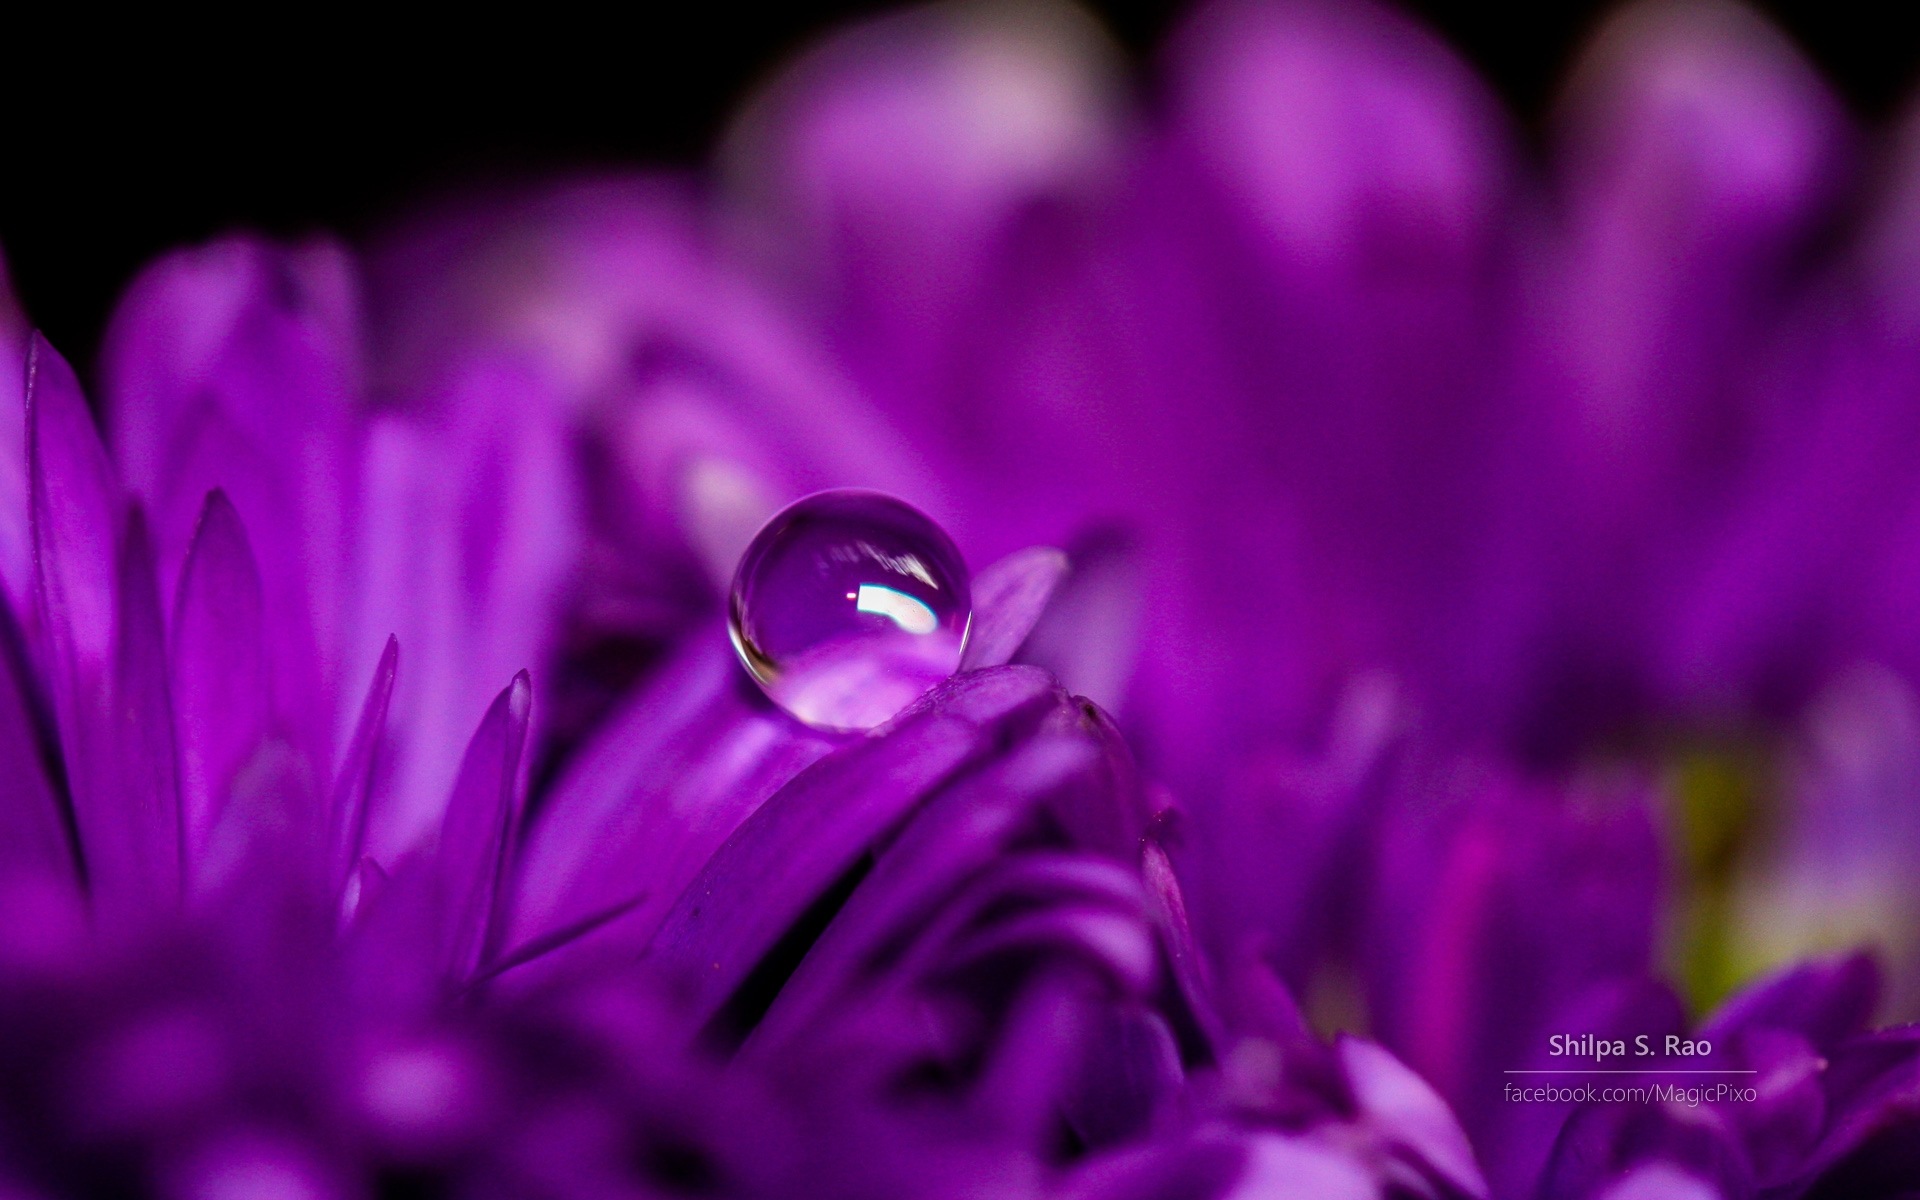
(125, 140)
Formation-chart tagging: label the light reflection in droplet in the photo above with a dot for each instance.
(847, 606)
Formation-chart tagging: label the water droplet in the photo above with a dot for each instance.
(847, 606)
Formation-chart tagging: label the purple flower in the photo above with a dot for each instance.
(1483, 598)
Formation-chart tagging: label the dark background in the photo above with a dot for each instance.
(127, 140)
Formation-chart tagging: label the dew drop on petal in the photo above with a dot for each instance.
(848, 606)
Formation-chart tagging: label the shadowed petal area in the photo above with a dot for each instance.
(16, 529)
(35, 833)
(819, 826)
(644, 806)
(127, 793)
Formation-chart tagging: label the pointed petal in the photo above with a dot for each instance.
(1515, 1140)
(1008, 600)
(1187, 966)
(363, 889)
(468, 540)
(1702, 158)
(126, 793)
(1872, 1137)
(547, 943)
(220, 673)
(77, 510)
(235, 365)
(481, 823)
(353, 786)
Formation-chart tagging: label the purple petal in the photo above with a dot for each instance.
(1824, 1002)
(235, 366)
(1660, 1182)
(1603, 1142)
(644, 805)
(1097, 919)
(470, 531)
(1400, 1104)
(1872, 1139)
(818, 827)
(34, 815)
(1017, 1096)
(1516, 1139)
(1088, 635)
(221, 684)
(961, 832)
(1286, 1166)
(1184, 959)
(1201, 1168)
(1129, 1072)
(1333, 209)
(1498, 904)
(77, 513)
(264, 840)
(1008, 600)
(1790, 1110)
(126, 790)
(1285, 839)
(106, 651)
(353, 786)
(482, 822)
(16, 525)
(1700, 156)
(883, 180)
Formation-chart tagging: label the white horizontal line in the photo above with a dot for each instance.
(1571, 1071)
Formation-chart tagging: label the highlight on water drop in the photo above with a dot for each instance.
(847, 606)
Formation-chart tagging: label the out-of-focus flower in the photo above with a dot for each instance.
(1474, 576)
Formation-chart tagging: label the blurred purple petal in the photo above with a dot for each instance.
(353, 787)
(470, 529)
(77, 509)
(235, 366)
(220, 677)
(470, 860)
(1008, 600)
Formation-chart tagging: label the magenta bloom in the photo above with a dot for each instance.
(1393, 610)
